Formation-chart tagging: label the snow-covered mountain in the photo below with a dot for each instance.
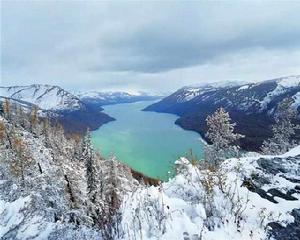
(243, 96)
(47, 97)
(58, 104)
(187, 93)
(251, 105)
(98, 98)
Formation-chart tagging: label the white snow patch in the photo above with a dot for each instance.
(244, 87)
(176, 209)
(11, 215)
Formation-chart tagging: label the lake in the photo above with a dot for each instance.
(148, 142)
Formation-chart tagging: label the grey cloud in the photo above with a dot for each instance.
(135, 43)
(154, 50)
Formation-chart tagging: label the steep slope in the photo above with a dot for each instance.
(25, 106)
(45, 184)
(47, 97)
(251, 106)
(60, 105)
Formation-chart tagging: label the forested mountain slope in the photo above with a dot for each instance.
(53, 187)
(252, 106)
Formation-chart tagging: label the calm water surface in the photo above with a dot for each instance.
(149, 142)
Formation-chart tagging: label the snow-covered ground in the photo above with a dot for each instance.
(199, 204)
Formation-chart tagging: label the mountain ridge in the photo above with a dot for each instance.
(251, 106)
(45, 96)
(101, 98)
(60, 105)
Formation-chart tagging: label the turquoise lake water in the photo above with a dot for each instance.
(148, 142)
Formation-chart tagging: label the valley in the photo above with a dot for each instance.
(148, 142)
(82, 194)
(149, 120)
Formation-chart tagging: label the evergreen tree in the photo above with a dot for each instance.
(221, 134)
(6, 109)
(283, 129)
(2, 131)
(88, 158)
(22, 159)
(45, 130)
(33, 118)
(20, 116)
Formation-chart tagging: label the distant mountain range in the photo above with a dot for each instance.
(250, 105)
(97, 98)
(75, 113)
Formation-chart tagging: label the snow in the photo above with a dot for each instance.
(103, 95)
(192, 91)
(292, 153)
(45, 97)
(244, 87)
(282, 85)
(189, 93)
(10, 214)
(296, 98)
(291, 81)
(176, 209)
(33, 229)
(112, 94)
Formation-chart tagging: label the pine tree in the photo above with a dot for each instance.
(221, 134)
(6, 109)
(2, 131)
(20, 116)
(88, 158)
(45, 130)
(33, 118)
(22, 160)
(283, 129)
(111, 197)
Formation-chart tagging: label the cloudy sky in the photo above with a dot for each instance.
(156, 46)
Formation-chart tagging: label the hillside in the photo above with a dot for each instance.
(251, 106)
(47, 97)
(255, 197)
(60, 105)
(53, 187)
